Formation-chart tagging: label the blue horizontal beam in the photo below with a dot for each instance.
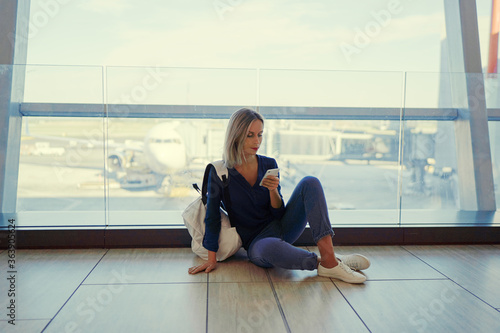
(224, 111)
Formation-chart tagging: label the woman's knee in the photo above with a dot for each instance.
(263, 247)
(260, 252)
(311, 182)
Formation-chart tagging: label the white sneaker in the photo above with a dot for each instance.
(341, 272)
(355, 261)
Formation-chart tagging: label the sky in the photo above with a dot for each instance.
(321, 35)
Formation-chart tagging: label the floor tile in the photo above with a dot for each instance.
(243, 307)
(474, 267)
(23, 326)
(238, 269)
(168, 265)
(317, 307)
(134, 308)
(419, 306)
(391, 263)
(45, 279)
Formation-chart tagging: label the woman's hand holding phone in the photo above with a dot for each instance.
(270, 179)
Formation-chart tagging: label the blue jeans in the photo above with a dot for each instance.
(272, 247)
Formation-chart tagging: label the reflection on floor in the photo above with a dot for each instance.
(408, 289)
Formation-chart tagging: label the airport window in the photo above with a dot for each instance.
(118, 146)
(383, 160)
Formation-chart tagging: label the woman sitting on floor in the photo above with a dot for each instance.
(266, 226)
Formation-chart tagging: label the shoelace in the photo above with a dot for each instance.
(346, 268)
(352, 264)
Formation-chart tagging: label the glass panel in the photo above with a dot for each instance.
(301, 88)
(63, 84)
(438, 172)
(61, 172)
(355, 160)
(427, 90)
(180, 86)
(61, 167)
(429, 165)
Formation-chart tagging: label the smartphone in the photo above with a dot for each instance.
(270, 172)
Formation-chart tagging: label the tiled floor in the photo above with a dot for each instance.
(408, 289)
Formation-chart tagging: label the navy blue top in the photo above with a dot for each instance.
(250, 205)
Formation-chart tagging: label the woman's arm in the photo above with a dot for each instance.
(212, 224)
(212, 217)
(272, 183)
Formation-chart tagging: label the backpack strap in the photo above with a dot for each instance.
(220, 168)
(204, 186)
(222, 172)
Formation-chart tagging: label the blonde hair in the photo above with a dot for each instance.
(236, 132)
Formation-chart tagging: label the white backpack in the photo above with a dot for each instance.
(194, 219)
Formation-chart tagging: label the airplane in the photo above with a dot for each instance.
(158, 162)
